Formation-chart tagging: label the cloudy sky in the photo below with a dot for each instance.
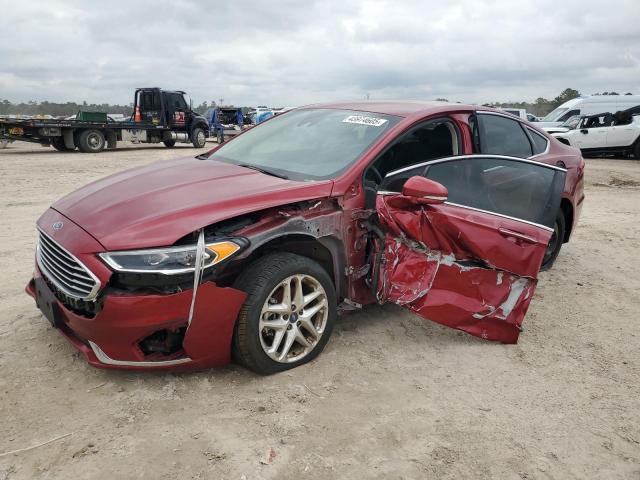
(296, 52)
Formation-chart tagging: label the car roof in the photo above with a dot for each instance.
(401, 108)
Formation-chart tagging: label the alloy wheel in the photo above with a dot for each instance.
(293, 318)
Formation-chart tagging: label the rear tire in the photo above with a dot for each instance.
(257, 329)
(555, 244)
(91, 141)
(169, 143)
(198, 137)
(58, 144)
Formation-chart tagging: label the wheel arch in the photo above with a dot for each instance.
(567, 211)
(327, 251)
(203, 125)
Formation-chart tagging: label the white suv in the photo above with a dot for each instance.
(605, 133)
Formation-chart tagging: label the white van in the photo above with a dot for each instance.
(589, 105)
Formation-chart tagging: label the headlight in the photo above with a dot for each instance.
(169, 260)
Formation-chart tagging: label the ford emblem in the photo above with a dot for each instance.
(57, 225)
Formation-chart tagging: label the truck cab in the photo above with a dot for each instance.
(170, 109)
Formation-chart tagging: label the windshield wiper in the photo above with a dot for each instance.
(263, 170)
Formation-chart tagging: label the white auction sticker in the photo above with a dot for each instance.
(362, 120)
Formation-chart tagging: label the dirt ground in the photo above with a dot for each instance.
(392, 396)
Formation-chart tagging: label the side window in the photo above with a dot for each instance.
(519, 189)
(539, 142)
(434, 139)
(568, 114)
(503, 136)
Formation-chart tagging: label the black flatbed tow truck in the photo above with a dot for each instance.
(160, 116)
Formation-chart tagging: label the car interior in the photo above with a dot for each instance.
(432, 140)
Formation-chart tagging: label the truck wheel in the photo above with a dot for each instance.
(91, 141)
(198, 137)
(288, 315)
(555, 244)
(169, 143)
(58, 144)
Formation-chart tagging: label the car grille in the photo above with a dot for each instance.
(65, 272)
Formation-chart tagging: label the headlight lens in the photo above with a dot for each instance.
(169, 260)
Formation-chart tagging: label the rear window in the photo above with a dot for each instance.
(539, 142)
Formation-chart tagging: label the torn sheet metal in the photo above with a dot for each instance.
(451, 268)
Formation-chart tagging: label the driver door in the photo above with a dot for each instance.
(468, 255)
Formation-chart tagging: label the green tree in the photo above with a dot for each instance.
(566, 95)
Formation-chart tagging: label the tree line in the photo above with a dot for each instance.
(540, 107)
(71, 108)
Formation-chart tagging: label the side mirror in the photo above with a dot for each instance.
(584, 130)
(425, 190)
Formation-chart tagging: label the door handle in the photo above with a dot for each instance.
(505, 232)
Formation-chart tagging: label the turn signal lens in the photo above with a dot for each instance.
(222, 250)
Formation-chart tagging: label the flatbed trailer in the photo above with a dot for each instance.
(160, 116)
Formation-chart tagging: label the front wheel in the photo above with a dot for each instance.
(555, 244)
(169, 143)
(288, 315)
(636, 150)
(198, 138)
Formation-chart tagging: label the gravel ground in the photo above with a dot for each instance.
(392, 396)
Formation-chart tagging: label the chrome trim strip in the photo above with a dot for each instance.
(500, 215)
(51, 276)
(435, 197)
(106, 359)
(386, 192)
(474, 155)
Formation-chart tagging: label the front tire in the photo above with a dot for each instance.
(198, 137)
(555, 244)
(169, 143)
(288, 315)
(636, 150)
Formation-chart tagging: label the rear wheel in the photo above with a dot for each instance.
(288, 315)
(58, 144)
(91, 141)
(555, 244)
(198, 138)
(169, 143)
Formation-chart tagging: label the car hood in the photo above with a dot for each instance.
(157, 204)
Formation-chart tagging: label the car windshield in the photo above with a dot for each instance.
(554, 115)
(308, 144)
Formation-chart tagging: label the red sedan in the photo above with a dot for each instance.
(253, 248)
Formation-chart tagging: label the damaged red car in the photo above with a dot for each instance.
(253, 248)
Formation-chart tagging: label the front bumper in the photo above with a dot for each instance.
(110, 336)
(111, 339)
